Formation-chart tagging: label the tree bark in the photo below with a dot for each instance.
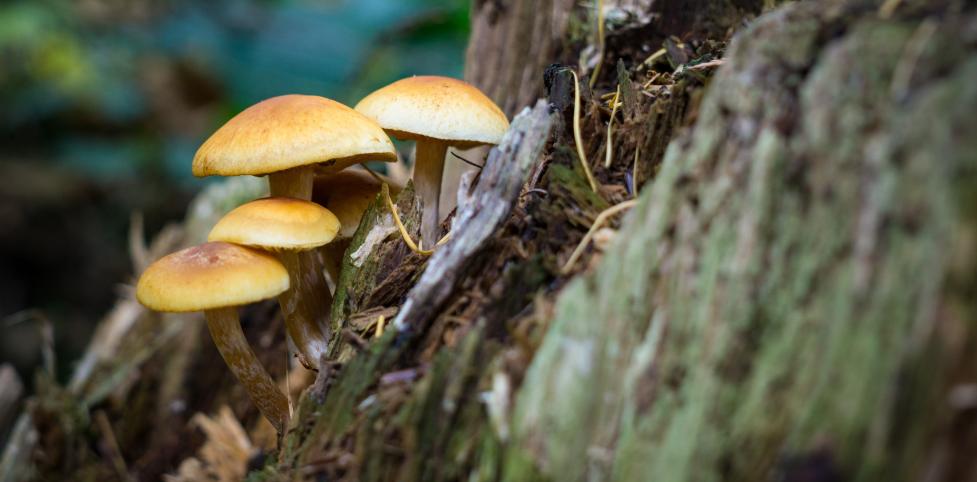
(793, 297)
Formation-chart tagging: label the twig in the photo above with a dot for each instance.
(653, 78)
(600, 220)
(466, 161)
(577, 138)
(653, 57)
(704, 65)
(609, 152)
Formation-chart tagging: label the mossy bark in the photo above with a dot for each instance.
(794, 297)
(794, 294)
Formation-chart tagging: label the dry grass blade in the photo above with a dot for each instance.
(380, 322)
(415, 247)
(601, 219)
(577, 138)
(610, 144)
(400, 225)
(653, 57)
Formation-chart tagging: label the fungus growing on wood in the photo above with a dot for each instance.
(436, 112)
(292, 228)
(216, 278)
(288, 138)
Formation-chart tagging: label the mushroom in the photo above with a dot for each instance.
(347, 194)
(288, 138)
(292, 228)
(216, 278)
(436, 112)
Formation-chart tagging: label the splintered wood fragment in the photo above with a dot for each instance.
(506, 171)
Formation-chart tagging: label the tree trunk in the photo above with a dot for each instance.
(793, 295)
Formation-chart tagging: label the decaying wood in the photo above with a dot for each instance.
(506, 171)
(788, 298)
(792, 297)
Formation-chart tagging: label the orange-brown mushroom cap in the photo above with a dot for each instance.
(291, 131)
(210, 276)
(436, 107)
(277, 223)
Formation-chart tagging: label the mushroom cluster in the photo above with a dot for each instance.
(283, 245)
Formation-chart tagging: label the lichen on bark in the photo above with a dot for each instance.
(787, 293)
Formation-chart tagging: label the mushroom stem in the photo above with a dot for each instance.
(294, 183)
(428, 169)
(305, 305)
(225, 329)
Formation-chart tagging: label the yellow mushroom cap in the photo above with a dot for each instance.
(436, 107)
(348, 194)
(292, 131)
(210, 276)
(277, 223)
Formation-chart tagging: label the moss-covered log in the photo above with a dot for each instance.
(794, 297)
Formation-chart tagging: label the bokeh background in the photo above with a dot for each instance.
(103, 103)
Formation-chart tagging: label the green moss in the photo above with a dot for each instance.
(777, 288)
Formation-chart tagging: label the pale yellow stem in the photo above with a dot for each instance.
(428, 171)
(225, 329)
(305, 306)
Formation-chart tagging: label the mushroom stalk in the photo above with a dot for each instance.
(225, 329)
(305, 305)
(294, 183)
(428, 169)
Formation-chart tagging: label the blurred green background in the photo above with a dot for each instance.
(103, 103)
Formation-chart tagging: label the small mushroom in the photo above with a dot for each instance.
(347, 194)
(216, 278)
(436, 112)
(292, 228)
(287, 138)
